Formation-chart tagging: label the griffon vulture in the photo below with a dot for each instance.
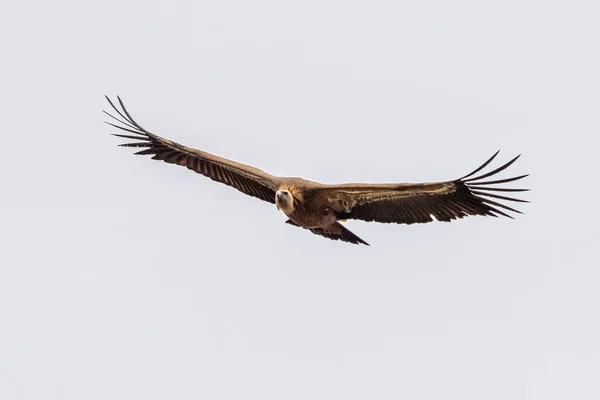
(319, 207)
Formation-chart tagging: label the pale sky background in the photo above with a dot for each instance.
(127, 278)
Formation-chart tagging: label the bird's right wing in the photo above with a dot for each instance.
(249, 180)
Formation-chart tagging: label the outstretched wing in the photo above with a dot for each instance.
(249, 180)
(417, 203)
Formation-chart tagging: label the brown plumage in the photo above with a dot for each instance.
(319, 207)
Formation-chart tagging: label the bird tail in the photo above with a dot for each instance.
(341, 233)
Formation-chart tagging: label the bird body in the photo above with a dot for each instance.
(321, 208)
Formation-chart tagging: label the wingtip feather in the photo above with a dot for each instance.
(482, 166)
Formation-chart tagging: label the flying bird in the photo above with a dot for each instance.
(322, 208)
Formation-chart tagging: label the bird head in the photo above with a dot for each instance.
(285, 201)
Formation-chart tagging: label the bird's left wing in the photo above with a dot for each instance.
(409, 203)
(249, 180)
